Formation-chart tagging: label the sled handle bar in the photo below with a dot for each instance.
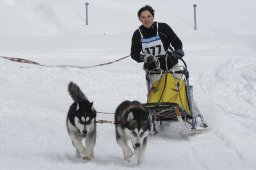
(185, 71)
(172, 56)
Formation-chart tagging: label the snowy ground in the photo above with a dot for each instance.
(34, 100)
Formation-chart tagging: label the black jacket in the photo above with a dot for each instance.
(167, 36)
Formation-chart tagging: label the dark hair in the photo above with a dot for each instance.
(146, 8)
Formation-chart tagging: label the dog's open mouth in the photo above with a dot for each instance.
(82, 135)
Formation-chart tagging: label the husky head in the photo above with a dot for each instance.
(137, 126)
(84, 118)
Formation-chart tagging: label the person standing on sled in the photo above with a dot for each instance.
(152, 39)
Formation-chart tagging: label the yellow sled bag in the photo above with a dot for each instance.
(169, 89)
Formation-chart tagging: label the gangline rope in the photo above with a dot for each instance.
(22, 60)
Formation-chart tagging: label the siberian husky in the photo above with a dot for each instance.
(81, 123)
(132, 121)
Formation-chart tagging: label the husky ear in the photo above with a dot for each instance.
(77, 107)
(92, 106)
(130, 117)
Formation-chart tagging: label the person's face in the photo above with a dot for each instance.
(147, 19)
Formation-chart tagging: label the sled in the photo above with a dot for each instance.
(170, 98)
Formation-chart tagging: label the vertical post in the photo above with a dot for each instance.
(195, 27)
(86, 8)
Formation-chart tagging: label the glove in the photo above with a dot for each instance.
(179, 53)
(149, 59)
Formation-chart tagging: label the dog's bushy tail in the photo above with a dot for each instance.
(75, 92)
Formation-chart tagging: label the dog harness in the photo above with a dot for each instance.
(152, 45)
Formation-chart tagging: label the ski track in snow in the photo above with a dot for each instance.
(231, 90)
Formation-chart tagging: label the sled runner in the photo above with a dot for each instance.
(170, 97)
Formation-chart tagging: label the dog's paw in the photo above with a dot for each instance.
(128, 154)
(88, 158)
(87, 155)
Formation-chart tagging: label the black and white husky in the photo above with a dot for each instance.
(81, 123)
(132, 122)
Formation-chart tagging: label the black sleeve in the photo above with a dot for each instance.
(136, 47)
(174, 39)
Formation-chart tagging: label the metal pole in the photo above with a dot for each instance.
(86, 8)
(195, 27)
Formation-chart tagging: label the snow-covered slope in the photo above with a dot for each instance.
(34, 100)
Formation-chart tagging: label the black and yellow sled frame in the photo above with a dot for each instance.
(171, 99)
